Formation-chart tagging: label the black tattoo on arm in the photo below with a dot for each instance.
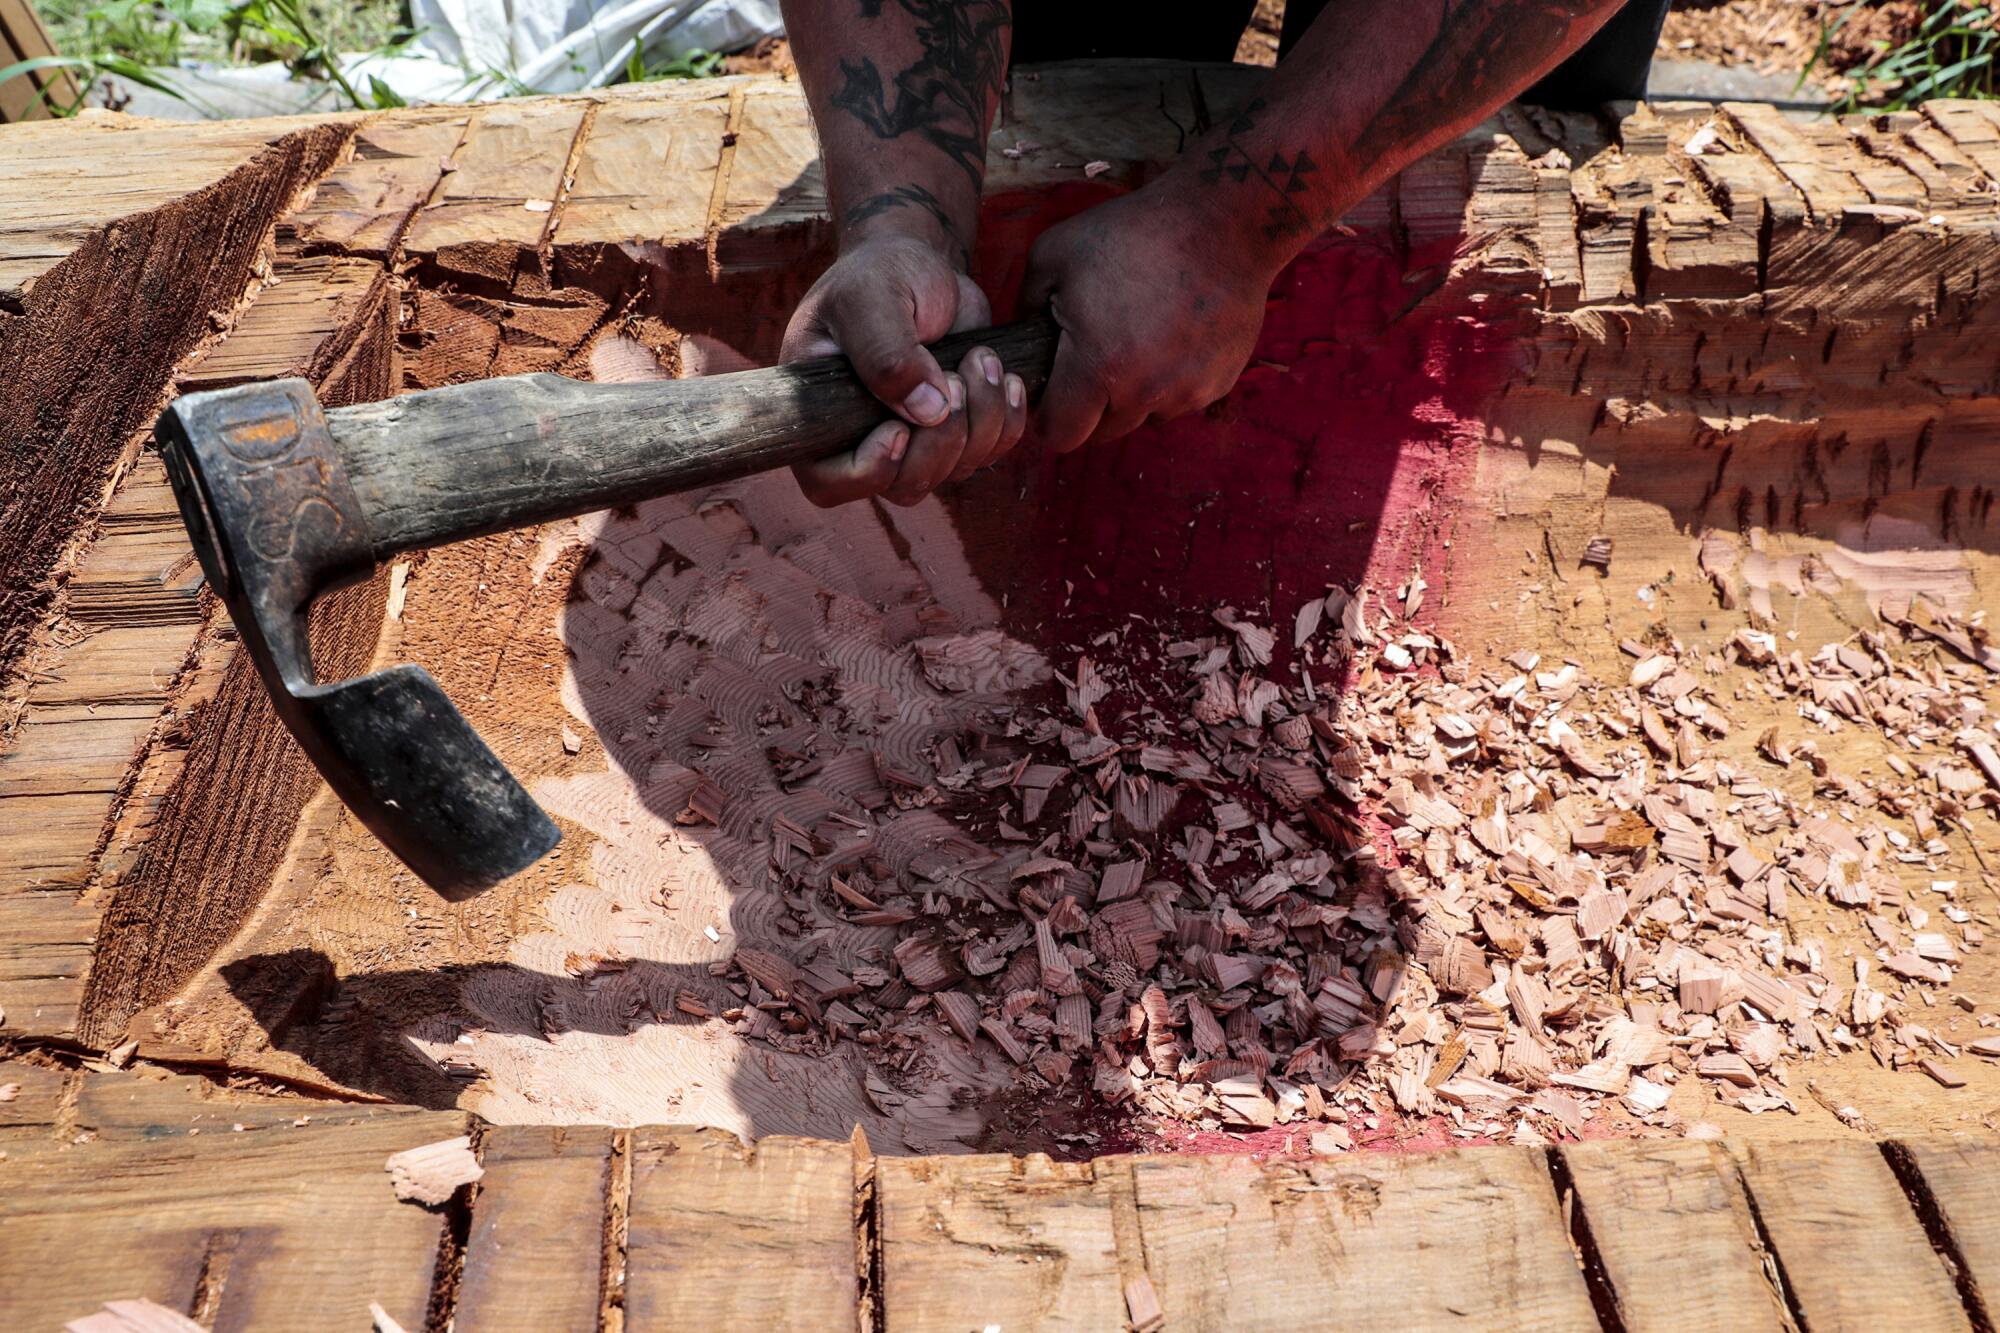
(904, 196)
(1474, 54)
(1481, 54)
(1280, 178)
(946, 96)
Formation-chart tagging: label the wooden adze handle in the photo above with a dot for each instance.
(470, 459)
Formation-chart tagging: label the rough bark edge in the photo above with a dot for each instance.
(241, 783)
(90, 357)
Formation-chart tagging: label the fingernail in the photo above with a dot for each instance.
(991, 365)
(1017, 392)
(957, 387)
(899, 440)
(925, 404)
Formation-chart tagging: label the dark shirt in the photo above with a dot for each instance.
(1131, 29)
(1611, 67)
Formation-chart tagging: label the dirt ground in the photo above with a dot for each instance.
(1787, 36)
(1850, 1090)
(1769, 36)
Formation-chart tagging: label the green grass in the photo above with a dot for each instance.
(1955, 52)
(134, 38)
(695, 64)
(162, 31)
(130, 38)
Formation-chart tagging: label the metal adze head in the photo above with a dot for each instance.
(275, 522)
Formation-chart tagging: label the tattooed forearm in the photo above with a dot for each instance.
(1480, 55)
(904, 196)
(1370, 89)
(946, 96)
(1282, 180)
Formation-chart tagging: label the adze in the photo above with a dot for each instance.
(285, 501)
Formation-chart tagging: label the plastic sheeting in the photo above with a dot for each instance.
(472, 48)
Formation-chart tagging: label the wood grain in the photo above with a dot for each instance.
(143, 1104)
(83, 727)
(220, 792)
(120, 245)
(1419, 1242)
(969, 1242)
(1854, 1254)
(319, 308)
(534, 1258)
(724, 1236)
(34, 1108)
(1959, 1172)
(365, 204)
(302, 1222)
(296, 1227)
(635, 145)
(506, 178)
(1675, 1234)
(1817, 171)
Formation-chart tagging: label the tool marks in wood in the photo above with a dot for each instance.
(111, 269)
(1662, 296)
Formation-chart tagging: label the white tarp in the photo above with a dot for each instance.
(559, 46)
(469, 50)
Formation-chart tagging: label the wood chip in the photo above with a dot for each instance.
(1333, 1139)
(1142, 1305)
(1727, 1067)
(1942, 1073)
(927, 962)
(706, 804)
(1578, 888)
(1244, 1102)
(1003, 1037)
(960, 1010)
(399, 588)
(1702, 992)
(433, 1173)
(774, 973)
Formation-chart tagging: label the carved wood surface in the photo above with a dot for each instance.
(1705, 318)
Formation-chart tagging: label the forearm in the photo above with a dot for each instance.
(1369, 89)
(902, 93)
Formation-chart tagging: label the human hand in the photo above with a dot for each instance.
(884, 298)
(1159, 316)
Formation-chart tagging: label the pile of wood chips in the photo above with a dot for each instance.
(1502, 896)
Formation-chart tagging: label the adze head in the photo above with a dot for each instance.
(275, 522)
